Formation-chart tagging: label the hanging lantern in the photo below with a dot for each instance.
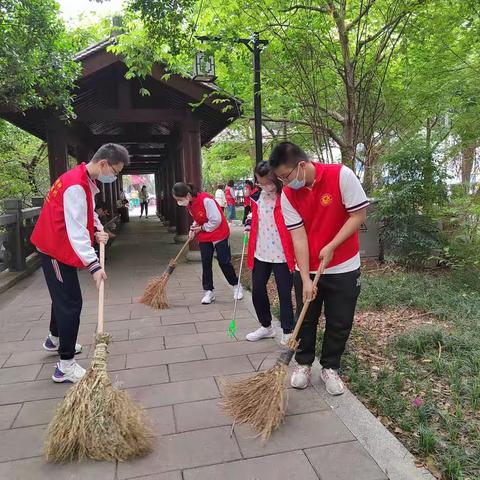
(204, 68)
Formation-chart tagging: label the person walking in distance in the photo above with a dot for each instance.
(143, 197)
(231, 201)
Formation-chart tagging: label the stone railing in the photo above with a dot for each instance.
(16, 226)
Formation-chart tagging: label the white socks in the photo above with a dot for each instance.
(65, 364)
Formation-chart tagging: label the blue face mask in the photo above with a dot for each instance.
(107, 178)
(296, 184)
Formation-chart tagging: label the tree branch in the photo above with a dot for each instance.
(362, 14)
(295, 8)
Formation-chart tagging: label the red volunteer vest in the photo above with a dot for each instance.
(197, 210)
(50, 232)
(229, 196)
(285, 236)
(323, 214)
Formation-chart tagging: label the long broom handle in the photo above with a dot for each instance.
(245, 241)
(185, 245)
(301, 317)
(101, 291)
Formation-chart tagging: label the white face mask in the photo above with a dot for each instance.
(183, 203)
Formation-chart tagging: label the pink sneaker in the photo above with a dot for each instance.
(332, 380)
(301, 376)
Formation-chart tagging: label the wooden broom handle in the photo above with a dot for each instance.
(185, 245)
(319, 273)
(101, 291)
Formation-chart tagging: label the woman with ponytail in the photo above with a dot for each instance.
(211, 229)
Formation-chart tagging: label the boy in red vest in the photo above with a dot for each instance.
(323, 205)
(64, 235)
(212, 231)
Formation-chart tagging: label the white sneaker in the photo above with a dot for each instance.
(71, 374)
(51, 345)
(285, 338)
(332, 380)
(301, 376)
(208, 298)
(237, 292)
(260, 333)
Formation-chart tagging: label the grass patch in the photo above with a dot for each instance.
(414, 360)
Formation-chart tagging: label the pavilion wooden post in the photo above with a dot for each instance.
(172, 206)
(57, 148)
(192, 164)
(183, 218)
(158, 190)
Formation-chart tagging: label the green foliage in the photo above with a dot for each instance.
(225, 161)
(23, 164)
(413, 189)
(36, 56)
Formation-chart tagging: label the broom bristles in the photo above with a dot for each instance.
(155, 294)
(259, 401)
(97, 421)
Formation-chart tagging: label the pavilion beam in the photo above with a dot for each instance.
(135, 115)
(129, 139)
(57, 148)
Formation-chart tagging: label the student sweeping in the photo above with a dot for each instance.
(211, 228)
(64, 236)
(270, 249)
(323, 206)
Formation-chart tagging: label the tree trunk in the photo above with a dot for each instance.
(468, 159)
(372, 154)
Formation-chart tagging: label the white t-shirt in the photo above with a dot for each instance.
(269, 245)
(220, 197)
(354, 199)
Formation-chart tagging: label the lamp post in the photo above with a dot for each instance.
(255, 45)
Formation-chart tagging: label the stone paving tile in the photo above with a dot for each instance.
(209, 368)
(161, 420)
(264, 361)
(197, 339)
(38, 412)
(190, 317)
(19, 374)
(297, 432)
(137, 377)
(14, 335)
(212, 326)
(344, 461)
(36, 468)
(162, 331)
(287, 466)
(161, 357)
(21, 443)
(8, 414)
(142, 311)
(135, 323)
(137, 346)
(221, 350)
(175, 392)
(241, 313)
(30, 358)
(162, 476)
(185, 450)
(3, 359)
(305, 401)
(27, 391)
(202, 414)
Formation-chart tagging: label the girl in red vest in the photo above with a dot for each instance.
(324, 207)
(270, 249)
(248, 190)
(64, 236)
(212, 231)
(231, 200)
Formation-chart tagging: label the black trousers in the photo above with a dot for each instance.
(246, 211)
(224, 258)
(284, 280)
(64, 288)
(144, 205)
(337, 294)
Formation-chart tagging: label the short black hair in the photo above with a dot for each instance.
(249, 183)
(182, 189)
(231, 183)
(220, 186)
(113, 153)
(287, 153)
(264, 169)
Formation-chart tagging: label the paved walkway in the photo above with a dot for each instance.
(172, 363)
